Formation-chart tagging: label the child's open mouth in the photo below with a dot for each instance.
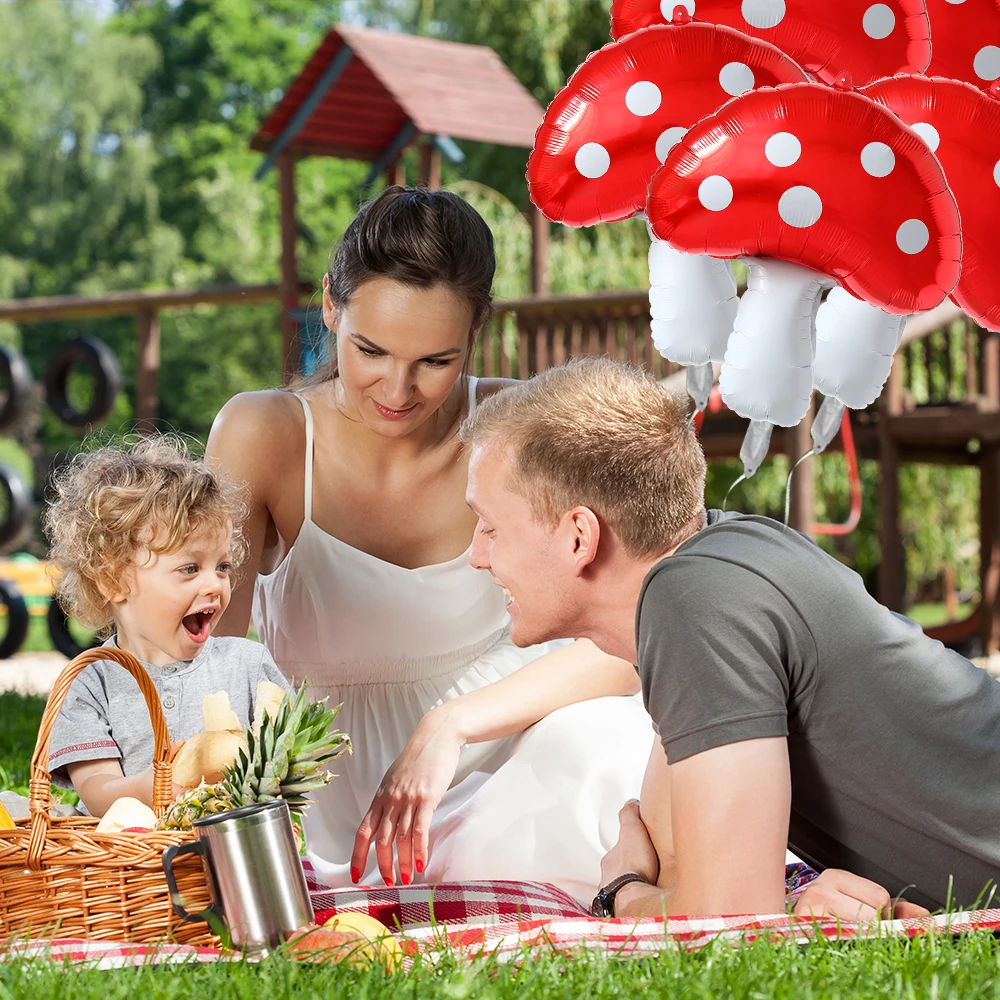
(199, 625)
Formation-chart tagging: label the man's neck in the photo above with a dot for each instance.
(612, 609)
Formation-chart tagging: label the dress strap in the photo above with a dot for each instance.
(473, 382)
(308, 490)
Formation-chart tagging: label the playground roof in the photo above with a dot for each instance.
(366, 94)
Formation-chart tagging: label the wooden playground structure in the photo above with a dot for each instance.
(370, 95)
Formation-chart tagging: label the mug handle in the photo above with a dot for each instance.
(213, 915)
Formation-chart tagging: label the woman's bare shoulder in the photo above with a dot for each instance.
(255, 425)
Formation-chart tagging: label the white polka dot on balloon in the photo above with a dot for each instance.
(736, 78)
(800, 207)
(667, 8)
(668, 138)
(878, 159)
(763, 13)
(715, 193)
(643, 98)
(782, 149)
(928, 133)
(955, 1)
(878, 21)
(987, 62)
(912, 236)
(592, 160)
(996, 173)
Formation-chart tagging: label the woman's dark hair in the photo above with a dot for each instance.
(420, 238)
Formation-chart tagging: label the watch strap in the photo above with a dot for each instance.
(604, 902)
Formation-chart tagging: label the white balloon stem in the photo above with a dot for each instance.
(692, 302)
(855, 345)
(767, 374)
(756, 442)
(700, 379)
(826, 423)
(736, 482)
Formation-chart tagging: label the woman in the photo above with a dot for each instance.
(359, 582)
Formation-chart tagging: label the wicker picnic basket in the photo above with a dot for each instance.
(59, 878)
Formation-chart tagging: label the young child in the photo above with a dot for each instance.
(146, 540)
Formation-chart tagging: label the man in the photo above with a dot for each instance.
(790, 705)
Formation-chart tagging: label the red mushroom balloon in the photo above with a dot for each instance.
(966, 37)
(866, 39)
(607, 132)
(961, 126)
(829, 181)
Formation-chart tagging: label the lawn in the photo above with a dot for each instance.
(928, 967)
(968, 966)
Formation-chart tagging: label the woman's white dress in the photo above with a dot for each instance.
(391, 643)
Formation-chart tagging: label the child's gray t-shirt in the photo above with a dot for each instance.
(104, 715)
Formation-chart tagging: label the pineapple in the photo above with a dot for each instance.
(283, 760)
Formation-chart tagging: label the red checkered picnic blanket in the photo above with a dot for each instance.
(506, 918)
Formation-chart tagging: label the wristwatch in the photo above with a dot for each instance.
(604, 902)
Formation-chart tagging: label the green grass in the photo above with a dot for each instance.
(21, 716)
(931, 615)
(936, 967)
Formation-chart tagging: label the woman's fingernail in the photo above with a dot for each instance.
(355, 876)
(420, 867)
(404, 878)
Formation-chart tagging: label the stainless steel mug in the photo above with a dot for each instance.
(258, 886)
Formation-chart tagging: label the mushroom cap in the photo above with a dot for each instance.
(607, 131)
(864, 38)
(961, 125)
(822, 177)
(966, 36)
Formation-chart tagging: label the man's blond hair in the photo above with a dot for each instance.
(599, 434)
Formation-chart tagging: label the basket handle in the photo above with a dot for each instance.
(39, 792)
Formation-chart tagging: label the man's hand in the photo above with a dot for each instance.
(840, 894)
(634, 851)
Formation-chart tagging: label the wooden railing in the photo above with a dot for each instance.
(527, 336)
(944, 357)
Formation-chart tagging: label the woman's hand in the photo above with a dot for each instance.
(406, 799)
(840, 894)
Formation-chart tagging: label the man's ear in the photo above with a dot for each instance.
(583, 534)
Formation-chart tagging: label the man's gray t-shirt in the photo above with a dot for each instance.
(749, 630)
(105, 717)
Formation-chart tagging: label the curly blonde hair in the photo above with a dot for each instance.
(112, 503)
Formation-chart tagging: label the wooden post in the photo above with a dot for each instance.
(539, 251)
(989, 361)
(290, 359)
(146, 370)
(989, 547)
(430, 166)
(892, 567)
(802, 509)
(395, 173)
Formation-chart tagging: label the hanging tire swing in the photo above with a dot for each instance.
(16, 494)
(15, 372)
(62, 638)
(101, 363)
(17, 619)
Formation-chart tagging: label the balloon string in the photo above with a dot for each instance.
(788, 484)
(725, 499)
